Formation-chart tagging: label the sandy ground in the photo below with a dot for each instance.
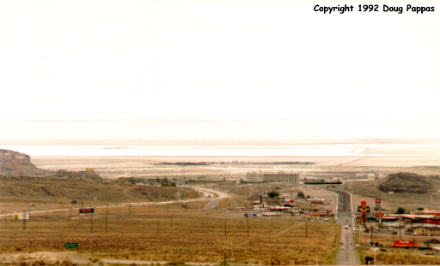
(237, 167)
(116, 158)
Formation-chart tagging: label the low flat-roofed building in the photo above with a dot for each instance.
(426, 229)
(254, 177)
(283, 177)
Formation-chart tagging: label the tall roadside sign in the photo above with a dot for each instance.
(378, 210)
(91, 211)
(364, 211)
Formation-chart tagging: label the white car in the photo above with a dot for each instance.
(346, 226)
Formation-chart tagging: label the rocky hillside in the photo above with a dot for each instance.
(80, 175)
(406, 182)
(66, 190)
(14, 163)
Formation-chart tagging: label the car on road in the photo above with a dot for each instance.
(346, 226)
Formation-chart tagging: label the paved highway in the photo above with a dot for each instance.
(347, 254)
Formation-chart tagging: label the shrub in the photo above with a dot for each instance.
(273, 194)
(400, 210)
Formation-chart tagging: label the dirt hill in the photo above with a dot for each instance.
(17, 164)
(14, 163)
(64, 190)
(79, 175)
(406, 182)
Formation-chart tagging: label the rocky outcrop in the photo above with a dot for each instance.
(406, 183)
(15, 164)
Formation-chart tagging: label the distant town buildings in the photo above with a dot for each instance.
(254, 177)
(290, 178)
(426, 229)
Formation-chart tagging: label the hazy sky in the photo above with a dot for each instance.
(232, 66)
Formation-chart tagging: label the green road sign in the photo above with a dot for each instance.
(70, 245)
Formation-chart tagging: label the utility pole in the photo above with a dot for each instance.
(91, 246)
(225, 227)
(29, 211)
(157, 226)
(224, 256)
(232, 249)
(306, 227)
(24, 221)
(91, 223)
(106, 220)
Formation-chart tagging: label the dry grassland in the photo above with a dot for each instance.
(175, 233)
(47, 193)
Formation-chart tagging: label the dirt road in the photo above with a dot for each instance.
(212, 194)
(215, 200)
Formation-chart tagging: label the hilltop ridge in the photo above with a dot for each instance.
(406, 182)
(17, 164)
(14, 164)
